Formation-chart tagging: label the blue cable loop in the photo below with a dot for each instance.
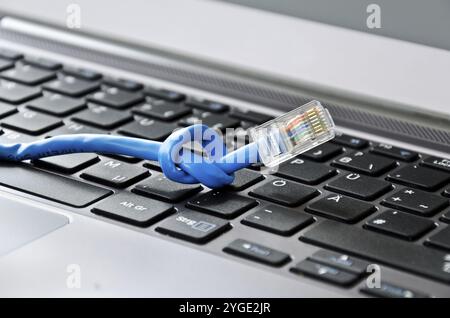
(170, 154)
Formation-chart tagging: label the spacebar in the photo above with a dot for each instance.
(50, 186)
(416, 259)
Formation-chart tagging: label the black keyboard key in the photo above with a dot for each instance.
(395, 152)
(388, 290)
(166, 94)
(10, 54)
(161, 188)
(11, 136)
(6, 109)
(257, 253)
(419, 177)
(416, 201)
(350, 141)
(223, 204)
(27, 74)
(115, 97)
(366, 163)
(72, 86)
(341, 208)
(161, 109)
(153, 164)
(446, 192)
(211, 120)
(245, 178)
(322, 152)
(437, 163)
(148, 129)
(123, 84)
(42, 63)
(278, 220)
(359, 186)
(14, 93)
(251, 116)
(5, 64)
(133, 209)
(379, 248)
(207, 105)
(56, 104)
(70, 128)
(31, 122)
(102, 117)
(82, 73)
(305, 171)
(114, 173)
(70, 163)
(399, 224)
(284, 192)
(342, 261)
(326, 273)
(194, 227)
(446, 217)
(50, 186)
(441, 239)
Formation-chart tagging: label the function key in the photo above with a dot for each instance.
(70, 85)
(31, 122)
(164, 189)
(224, 204)
(251, 116)
(42, 63)
(342, 261)
(441, 239)
(207, 105)
(123, 84)
(284, 192)
(82, 73)
(416, 201)
(115, 97)
(437, 163)
(14, 93)
(395, 152)
(162, 109)
(56, 104)
(388, 290)
(399, 224)
(341, 208)
(420, 177)
(192, 226)
(366, 163)
(5, 64)
(359, 186)
(166, 94)
(129, 208)
(278, 220)
(330, 274)
(257, 253)
(148, 129)
(350, 141)
(114, 173)
(27, 74)
(322, 152)
(305, 171)
(10, 54)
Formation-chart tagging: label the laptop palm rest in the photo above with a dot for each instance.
(21, 224)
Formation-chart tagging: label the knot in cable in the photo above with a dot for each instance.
(185, 166)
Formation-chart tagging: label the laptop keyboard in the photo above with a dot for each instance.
(374, 201)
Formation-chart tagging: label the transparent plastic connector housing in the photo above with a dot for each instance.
(293, 133)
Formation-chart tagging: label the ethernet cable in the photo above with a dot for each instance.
(273, 143)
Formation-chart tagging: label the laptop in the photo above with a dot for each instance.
(364, 215)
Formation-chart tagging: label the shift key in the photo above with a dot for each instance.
(50, 186)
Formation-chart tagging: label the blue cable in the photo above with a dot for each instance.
(212, 173)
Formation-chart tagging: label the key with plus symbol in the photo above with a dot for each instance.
(416, 201)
